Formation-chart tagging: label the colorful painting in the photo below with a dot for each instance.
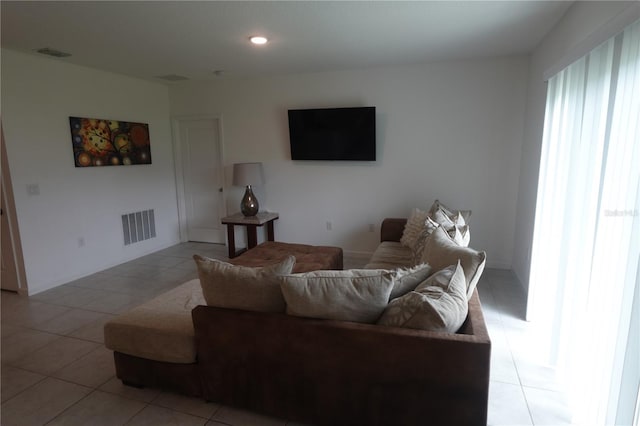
(98, 142)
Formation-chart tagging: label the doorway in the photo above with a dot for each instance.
(199, 178)
(11, 266)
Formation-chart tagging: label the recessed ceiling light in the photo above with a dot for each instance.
(258, 40)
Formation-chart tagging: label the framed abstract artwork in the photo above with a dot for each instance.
(99, 142)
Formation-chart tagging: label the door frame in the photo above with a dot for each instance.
(179, 170)
(10, 213)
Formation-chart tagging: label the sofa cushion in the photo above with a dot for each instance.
(241, 287)
(161, 329)
(438, 304)
(441, 251)
(358, 296)
(390, 255)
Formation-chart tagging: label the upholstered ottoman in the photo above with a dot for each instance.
(308, 258)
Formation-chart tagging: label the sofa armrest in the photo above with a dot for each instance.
(392, 229)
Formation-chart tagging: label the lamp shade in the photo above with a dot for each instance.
(248, 174)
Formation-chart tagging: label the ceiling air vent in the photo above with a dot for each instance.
(172, 77)
(53, 52)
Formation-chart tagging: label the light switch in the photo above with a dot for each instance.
(33, 189)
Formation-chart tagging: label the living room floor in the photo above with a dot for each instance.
(56, 370)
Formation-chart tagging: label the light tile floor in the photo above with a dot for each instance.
(55, 369)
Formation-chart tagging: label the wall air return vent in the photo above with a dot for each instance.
(138, 226)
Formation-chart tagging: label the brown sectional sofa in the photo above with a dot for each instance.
(320, 371)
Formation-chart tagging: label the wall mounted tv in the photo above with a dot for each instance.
(341, 134)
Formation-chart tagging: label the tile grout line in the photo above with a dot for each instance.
(515, 364)
(45, 377)
(69, 407)
(136, 413)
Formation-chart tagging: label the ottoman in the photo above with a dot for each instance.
(308, 258)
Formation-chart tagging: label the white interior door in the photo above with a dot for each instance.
(202, 174)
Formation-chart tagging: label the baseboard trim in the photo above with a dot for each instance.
(499, 265)
(358, 254)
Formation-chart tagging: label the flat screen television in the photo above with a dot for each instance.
(340, 134)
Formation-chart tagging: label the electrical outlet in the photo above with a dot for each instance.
(329, 226)
(33, 189)
(372, 227)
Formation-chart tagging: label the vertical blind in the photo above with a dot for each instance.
(584, 280)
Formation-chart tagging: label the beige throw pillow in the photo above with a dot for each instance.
(414, 226)
(337, 295)
(407, 279)
(439, 304)
(403, 279)
(240, 287)
(441, 251)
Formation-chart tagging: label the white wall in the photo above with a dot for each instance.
(38, 96)
(584, 27)
(451, 131)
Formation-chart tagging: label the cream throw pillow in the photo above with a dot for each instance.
(441, 251)
(439, 304)
(337, 295)
(240, 287)
(413, 228)
(460, 217)
(460, 235)
(440, 217)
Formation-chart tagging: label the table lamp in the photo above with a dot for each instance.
(248, 174)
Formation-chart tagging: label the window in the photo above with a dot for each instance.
(584, 280)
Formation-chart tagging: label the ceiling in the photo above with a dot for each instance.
(193, 39)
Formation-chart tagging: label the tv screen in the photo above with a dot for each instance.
(346, 134)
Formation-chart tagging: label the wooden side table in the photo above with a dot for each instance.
(251, 223)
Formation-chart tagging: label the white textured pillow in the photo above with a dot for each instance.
(429, 227)
(337, 295)
(413, 228)
(441, 251)
(240, 287)
(438, 304)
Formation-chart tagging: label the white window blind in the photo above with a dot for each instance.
(584, 280)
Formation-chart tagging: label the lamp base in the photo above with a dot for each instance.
(249, 205)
